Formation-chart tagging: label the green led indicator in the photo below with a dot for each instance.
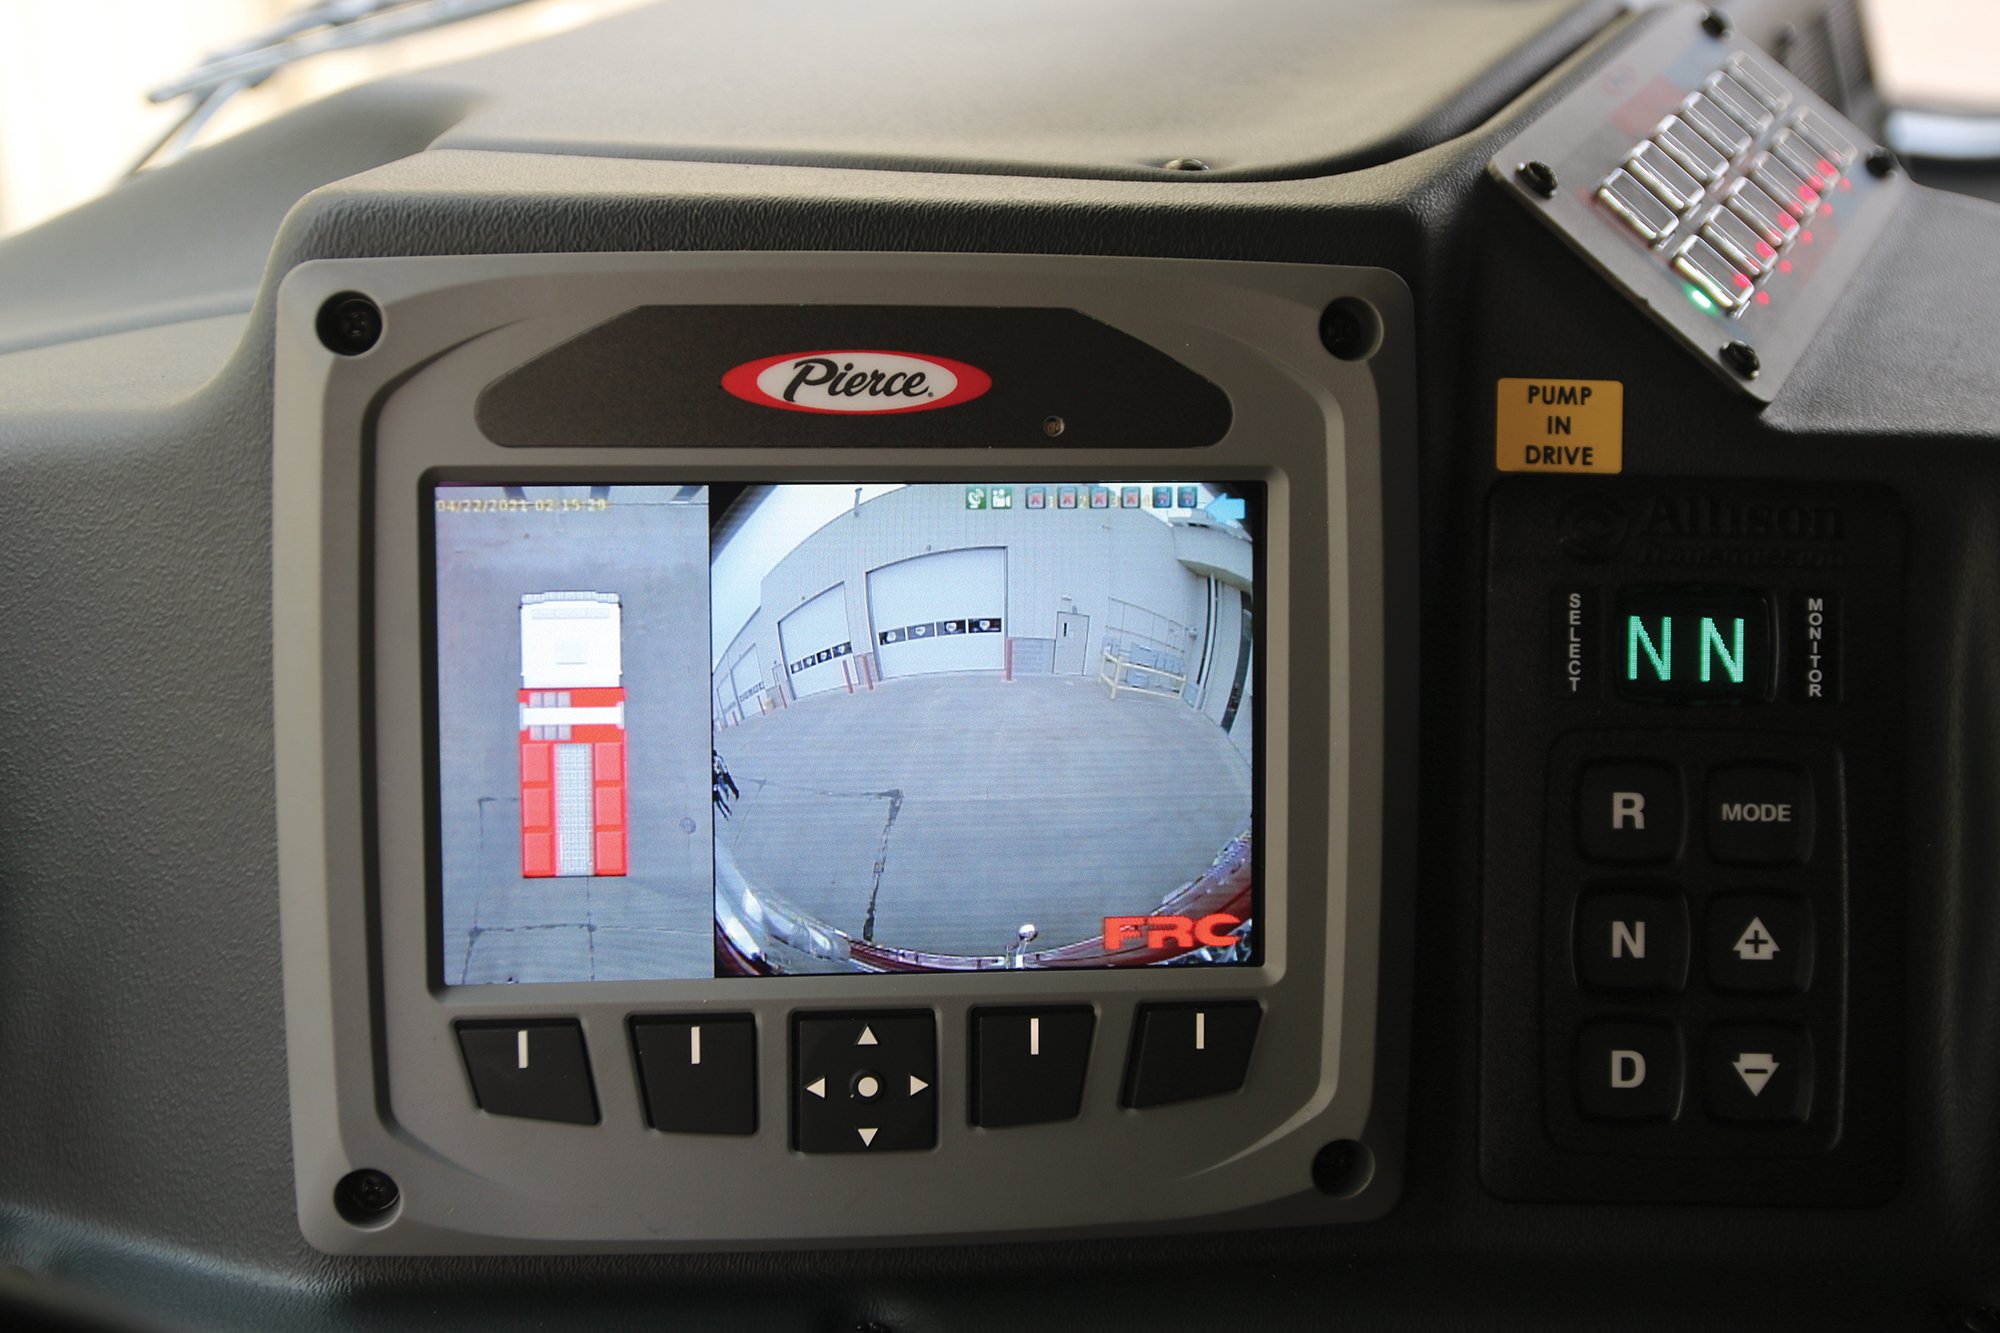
(1661, 656)
(1711, 638)
(1700, 298)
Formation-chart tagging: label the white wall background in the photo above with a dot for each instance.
(74, 74)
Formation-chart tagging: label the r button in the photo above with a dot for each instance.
(1630, 811)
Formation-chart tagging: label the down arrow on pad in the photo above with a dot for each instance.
(1755, 1069)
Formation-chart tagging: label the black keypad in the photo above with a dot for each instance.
(533, 1068)
(1695, 929)
(698, 1072)
(1630, 811)
(1759, 943)
(1759, 814)
(1759, 1073)
(864, 1082)
(1184, 1051)
(1631, 940)
(1629, 1071)
(1029, 1064)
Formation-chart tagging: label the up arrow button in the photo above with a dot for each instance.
(1755, 944)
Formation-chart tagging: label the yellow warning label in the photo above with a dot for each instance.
(1560, 426)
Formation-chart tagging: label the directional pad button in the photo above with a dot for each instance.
(864, 1082)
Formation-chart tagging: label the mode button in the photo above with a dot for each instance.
(1760, 814)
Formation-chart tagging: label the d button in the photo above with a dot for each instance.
(1631, 811)
(1629, 1071)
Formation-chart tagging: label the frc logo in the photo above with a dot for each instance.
(1170, 932)
(856, 382)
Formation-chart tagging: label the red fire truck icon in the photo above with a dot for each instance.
(572, 735)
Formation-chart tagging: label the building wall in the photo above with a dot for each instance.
(1057, 560)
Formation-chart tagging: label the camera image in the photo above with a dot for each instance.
(962, 727)
(573, 821)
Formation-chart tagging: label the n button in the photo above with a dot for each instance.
(1632, 941)
(1631, 811)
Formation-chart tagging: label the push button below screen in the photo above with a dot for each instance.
(535, 1069)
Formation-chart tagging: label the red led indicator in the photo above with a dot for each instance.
(1784, 266)
(1805, 238)
(1764, 251)
(1740, 280)
(1763, 298)
(1846, 184)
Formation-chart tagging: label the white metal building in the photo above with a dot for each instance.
(914, 582)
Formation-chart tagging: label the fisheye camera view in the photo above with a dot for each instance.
(963, 727)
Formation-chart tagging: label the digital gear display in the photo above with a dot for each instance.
(687, 731)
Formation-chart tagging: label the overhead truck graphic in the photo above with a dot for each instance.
(572, 735)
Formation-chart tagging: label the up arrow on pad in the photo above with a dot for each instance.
(1755, 1069)
(867, 1037)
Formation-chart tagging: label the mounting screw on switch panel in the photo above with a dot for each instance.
(1539, 177)
(1742, 358)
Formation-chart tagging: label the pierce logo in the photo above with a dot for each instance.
(856, 382)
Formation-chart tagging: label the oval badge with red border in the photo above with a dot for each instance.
(856, 382)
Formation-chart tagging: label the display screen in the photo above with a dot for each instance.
(692, 731)
(1694, 645)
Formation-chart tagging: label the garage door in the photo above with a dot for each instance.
(941, 612)
(816, 643)
(746, 680)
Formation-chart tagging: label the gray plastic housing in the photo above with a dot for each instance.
(376, 1078)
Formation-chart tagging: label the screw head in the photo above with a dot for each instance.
(1053, 426)
(1715, 23)
(365, 1196)
(1742, 358)
(1881, 163)
(1184, 164)
(349, 324)
(1539, 177)
(1342, 1168)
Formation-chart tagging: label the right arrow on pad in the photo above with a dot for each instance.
(1755, 1069)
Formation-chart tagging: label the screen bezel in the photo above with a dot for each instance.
(428, 484)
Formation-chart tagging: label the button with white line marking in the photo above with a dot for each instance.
(1759, 1073)
(864, 1081)
(1188, 1050)
(1029, 1063)
(533, 1068)
(698, 1072)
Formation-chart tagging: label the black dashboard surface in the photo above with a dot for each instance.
(146, 1179)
